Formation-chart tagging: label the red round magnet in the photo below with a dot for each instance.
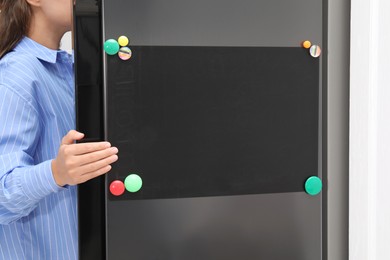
(117, 188)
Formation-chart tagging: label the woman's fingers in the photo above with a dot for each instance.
(72, 136)
(96, 165)
(85, 148)
(91, 175)
(88, 158)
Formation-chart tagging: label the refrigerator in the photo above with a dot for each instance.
(217, 108)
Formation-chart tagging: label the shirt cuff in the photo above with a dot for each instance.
(38, 182)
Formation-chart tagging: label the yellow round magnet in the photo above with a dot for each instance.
(123, 41)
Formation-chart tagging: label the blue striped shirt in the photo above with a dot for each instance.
(38, 219)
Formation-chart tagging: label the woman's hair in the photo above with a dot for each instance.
(14, 23)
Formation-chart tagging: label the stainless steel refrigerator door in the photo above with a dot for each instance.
(158, 223)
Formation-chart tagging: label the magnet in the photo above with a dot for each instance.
(117, 188)
(306, 44)
(313, 185)
(133, 183)
(315, 51)
(123, 41)
(111, 47)
(124, 53)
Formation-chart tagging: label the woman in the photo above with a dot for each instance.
(40, 164)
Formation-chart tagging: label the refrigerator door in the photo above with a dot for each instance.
(216, 108)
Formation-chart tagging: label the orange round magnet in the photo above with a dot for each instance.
(306, 44)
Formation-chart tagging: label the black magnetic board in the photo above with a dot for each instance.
(213, 121)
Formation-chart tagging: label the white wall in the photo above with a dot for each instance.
(66, 42)
(383, 133)
(369, 131)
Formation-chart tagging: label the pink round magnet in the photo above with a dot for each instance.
(315, 51)
(124, 53)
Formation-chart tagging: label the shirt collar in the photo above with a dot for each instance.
(39, 51)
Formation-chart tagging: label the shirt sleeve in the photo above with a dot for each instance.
(23, 184)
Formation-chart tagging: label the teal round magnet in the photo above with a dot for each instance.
(111, 47)
(133, 183)
(313, 185)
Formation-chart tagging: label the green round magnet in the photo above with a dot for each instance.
(133, 183)
(111, 47)
(313, 185)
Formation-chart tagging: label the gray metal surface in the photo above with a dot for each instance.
(338, 127)
(215, 23)
(271, 226)
(278, 227)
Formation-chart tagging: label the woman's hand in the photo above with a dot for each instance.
(78, 163)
